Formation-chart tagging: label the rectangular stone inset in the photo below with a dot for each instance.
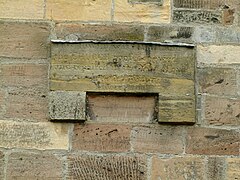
(67, 105)
(127, 68)
(121, 108)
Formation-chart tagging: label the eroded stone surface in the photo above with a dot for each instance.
(220, 111)
(33, 135)
(233, 168)
(29, 165)
(66, 105)
(126, 11)
(163, 139)
(107, 167)
(24, 39)
(211, 141)
(181, 168)
(102, 137)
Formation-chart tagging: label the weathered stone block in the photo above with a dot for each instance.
(24, 39)
(100, 137)
(181, 111)
(66, 105)
(192, 16)
(222, 111)
(163, 139)
(123, 68)
(126, 11)
(87, 10)
(33, 135)
(228, 35)
(30, 165)
(233, 168)
(28, 104)
(216, 168)
(27, 9)
(26, 87)
(216, 54)
(115, 32)
(107, 167)
(169, 34)
(24, 75)
(178, 168)
(217, 81)
(205, 34)
(121, 108)
(212, 141)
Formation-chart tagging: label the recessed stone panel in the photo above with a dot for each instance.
(128, 68)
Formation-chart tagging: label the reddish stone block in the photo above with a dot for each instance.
(100, 137)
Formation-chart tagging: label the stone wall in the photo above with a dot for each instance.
(123, 140)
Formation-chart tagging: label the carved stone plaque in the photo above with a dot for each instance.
(129, 68)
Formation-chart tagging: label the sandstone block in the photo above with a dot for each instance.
(163, 139)
(181, 111)
(178, 168)
(64, 105)
(233, 168)
(115, 32)
(27, 9)
(218, 54)
(69, 10)
(28, 104)
(33, 135)
(217, 81)
(29, 165)
(126, 11)
(212, 141)
(24, 75)
(121, 108)
(220, 111)
(24, 39)
(169, 34)
(107, 167)
(100, 137)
